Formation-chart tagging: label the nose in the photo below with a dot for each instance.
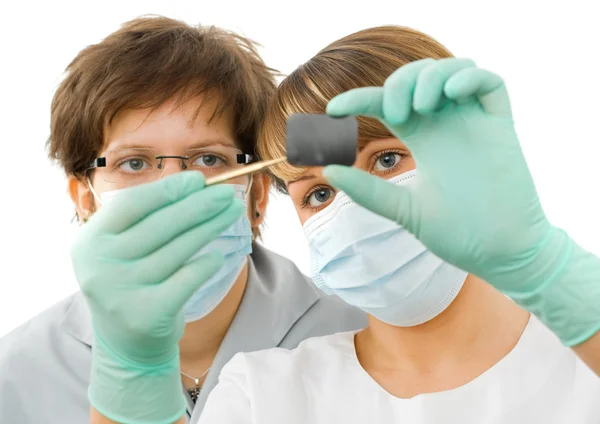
(170, 169)
(171, 165)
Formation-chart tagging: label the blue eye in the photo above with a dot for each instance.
(208, 161)
(387, 161)
(133, 165)
(319, 196)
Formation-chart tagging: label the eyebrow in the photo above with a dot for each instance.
(129, 146)
(362, 144)
(212, 142)
(303, 178)
(196, 145)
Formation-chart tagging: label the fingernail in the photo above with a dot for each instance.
(331, 171)
(333, 106)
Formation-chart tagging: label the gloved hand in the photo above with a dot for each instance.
(473, 202)
(130, 261)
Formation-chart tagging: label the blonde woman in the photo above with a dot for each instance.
(441, 345)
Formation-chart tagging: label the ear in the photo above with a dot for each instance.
(259, 198)
(82, 198)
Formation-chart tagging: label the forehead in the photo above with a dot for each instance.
(170, 125)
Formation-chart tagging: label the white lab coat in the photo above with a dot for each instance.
(322, 382)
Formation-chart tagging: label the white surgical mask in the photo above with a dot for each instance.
(235, 243)
(376, 265)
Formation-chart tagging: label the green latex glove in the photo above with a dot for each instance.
(473, 201)
(130, 261)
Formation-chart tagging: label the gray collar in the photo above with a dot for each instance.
(77, 321)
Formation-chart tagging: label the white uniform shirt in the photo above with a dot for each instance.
(322, 382)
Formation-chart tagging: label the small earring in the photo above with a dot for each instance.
(257, 214)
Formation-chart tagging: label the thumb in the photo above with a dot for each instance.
(376, 194)
(180, 287)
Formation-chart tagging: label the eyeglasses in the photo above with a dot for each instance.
(134, 166)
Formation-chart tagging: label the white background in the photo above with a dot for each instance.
(547, 54)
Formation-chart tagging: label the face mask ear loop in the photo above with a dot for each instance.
(94, 191)
(249, 186)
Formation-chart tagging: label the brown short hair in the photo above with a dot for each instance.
(145, 63)
(365, 58)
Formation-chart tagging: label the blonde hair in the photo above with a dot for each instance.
(365, 58)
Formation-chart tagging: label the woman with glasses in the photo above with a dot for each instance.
(173, 281)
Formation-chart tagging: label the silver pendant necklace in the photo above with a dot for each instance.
(195, 391)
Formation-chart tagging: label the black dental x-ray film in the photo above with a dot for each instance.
(320, 140)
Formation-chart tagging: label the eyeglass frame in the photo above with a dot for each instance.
(242, 158)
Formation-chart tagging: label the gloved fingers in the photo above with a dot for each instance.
(376, 194)
(136, 203)
(429, 91)
(163, 262)
(399, 90)
(391, 104)
(366, 101)
(478, 83)
(168, 223)
(180, 286)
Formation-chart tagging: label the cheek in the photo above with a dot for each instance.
(304, 214)
(409, 164)
(243, 180)
(100, 186)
